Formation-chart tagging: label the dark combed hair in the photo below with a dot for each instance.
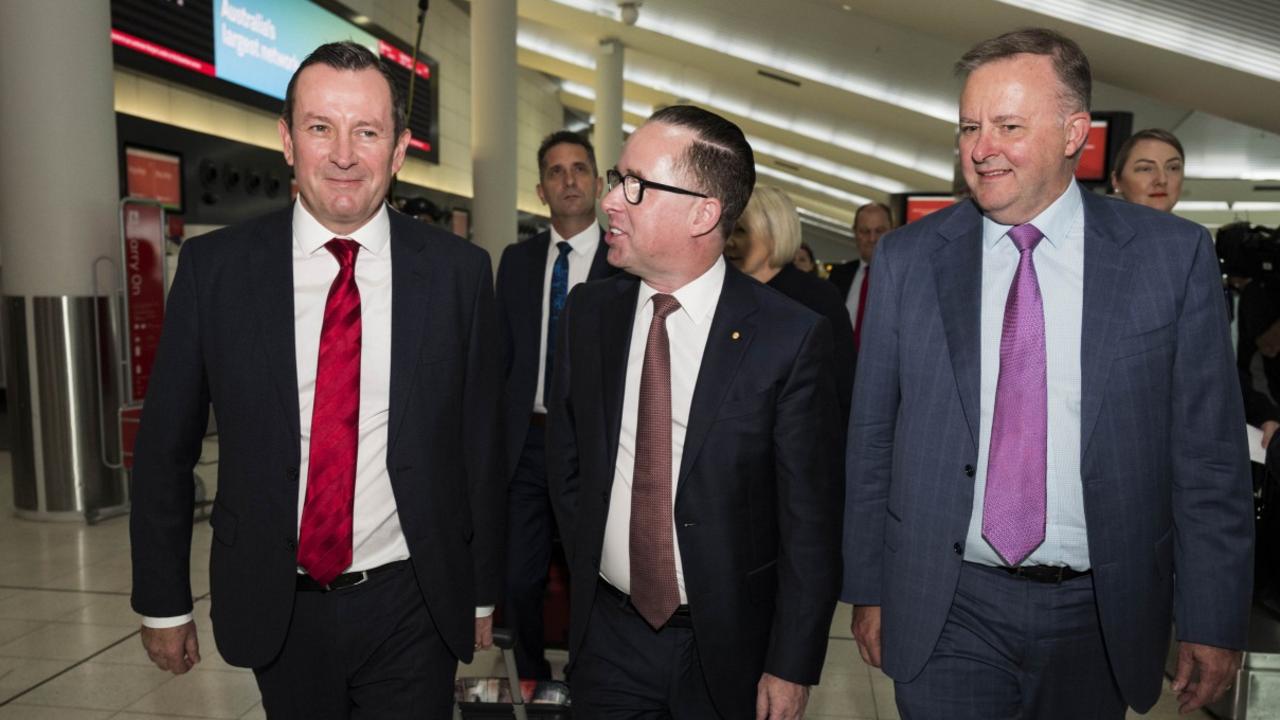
(1164, 136)
(561, 137)
(719, 159)
(1069, 61)
(874, 204)
(348, 55)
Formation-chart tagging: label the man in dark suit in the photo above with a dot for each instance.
(692, 451)
(1046, 464)
(534, 278)
(346, 351)
(870, 223)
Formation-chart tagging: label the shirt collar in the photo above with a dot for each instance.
(584, 243)
(310, 236)
(1054, 222)
(697, 298)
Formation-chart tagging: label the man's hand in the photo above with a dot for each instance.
(1269, 431)
(777, 699)
(1204, 674)
(175, 649)
(866, 631)
(484, 632)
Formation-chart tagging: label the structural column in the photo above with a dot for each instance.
(493, 124)
(609, 91)
(59, 191)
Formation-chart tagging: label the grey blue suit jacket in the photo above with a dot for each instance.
(1163, 459)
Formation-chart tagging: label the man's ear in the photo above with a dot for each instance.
(286, 140)
(541, 195)
(705, 216)
(1077, 132)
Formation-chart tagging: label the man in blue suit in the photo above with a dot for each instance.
(534, 278)
(1046, 465)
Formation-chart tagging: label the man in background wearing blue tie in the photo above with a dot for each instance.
(1046, 464)
(534, 278)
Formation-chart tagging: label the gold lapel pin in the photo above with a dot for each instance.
(736, 335)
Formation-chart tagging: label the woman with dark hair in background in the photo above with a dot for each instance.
(804, 261)
(763, 246)
(1148, 169)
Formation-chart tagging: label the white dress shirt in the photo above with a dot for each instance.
(687, 330)
(854, 299)
(584, 246)
(376, 535)
(1059, 262)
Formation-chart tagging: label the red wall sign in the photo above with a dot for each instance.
(144, 230)
(154, 176)
(1093, 161)
(918, 207)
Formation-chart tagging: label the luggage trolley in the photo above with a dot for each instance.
(495, 704)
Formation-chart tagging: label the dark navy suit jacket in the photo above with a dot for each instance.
(1165, 469)
(758, 496)
(521, 287)
(229, 340)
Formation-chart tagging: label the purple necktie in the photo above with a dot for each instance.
(1013, 513)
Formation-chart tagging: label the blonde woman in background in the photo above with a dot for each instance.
(763, 245)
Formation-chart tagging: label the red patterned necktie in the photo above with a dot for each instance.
(654, 592)
(324, 539)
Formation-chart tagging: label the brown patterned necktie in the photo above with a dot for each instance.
(654, 592)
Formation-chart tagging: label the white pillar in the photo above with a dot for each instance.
(59, 191)
(609, 91)
(58, 183)
(493, 124)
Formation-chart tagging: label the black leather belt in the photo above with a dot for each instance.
(680, 618)
(347, 580)
(538, 419)
(1053, 574)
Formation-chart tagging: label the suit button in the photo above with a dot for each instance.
(958, 548)
(968, 470)
(605, 495)
(291, 544)
(292, 474)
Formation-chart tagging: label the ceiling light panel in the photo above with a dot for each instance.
(1238, 34)
(654, 17)
(688, 86)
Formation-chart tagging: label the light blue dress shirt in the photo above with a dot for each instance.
(1059, 263)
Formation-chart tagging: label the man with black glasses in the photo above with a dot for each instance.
(692, 451)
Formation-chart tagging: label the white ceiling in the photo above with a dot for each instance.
(862, 99)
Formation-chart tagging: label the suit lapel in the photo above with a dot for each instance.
(957, 272)
(617, 315)
(1106, 293)
(720, 363)
(537, 276)
(600, 263)
(271, 266)
(411, 277)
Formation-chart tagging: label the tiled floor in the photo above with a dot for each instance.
(69, 647)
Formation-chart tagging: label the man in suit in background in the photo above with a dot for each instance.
(692, 451)
(349, 356)
(870, 223)
(1046, 464)
(534, 278)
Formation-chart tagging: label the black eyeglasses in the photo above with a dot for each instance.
(633, 187)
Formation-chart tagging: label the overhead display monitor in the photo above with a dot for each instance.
(1093, 164)
(247, 50)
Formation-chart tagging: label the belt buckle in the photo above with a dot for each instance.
(364, 578)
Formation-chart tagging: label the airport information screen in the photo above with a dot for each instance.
(248, 49)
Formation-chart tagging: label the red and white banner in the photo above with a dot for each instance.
(144, 230)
